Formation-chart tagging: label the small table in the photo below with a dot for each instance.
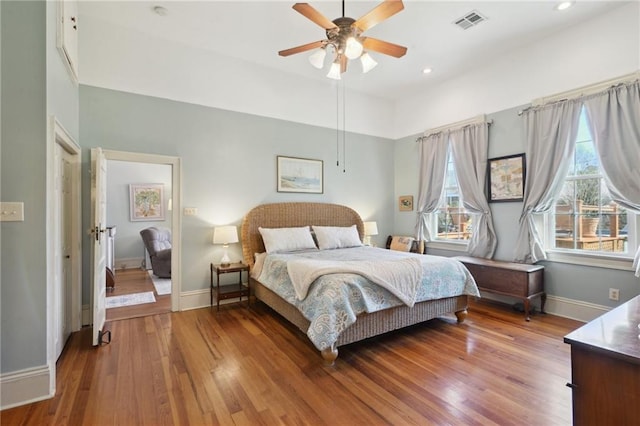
(229, 291)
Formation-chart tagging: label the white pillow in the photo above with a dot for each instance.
(278, 240)
(333, 237)
(257, 265)
(401, 243)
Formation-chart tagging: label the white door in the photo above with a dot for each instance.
(99, 237)
(62, 254)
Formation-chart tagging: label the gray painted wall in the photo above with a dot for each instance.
(34, 86)
(120, 174)
(229, 165)
(24, 118)
(506, 137)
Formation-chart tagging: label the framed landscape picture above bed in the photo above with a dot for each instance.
(506, 178)
(300, 175)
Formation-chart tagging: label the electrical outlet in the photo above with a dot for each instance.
(614, 294)
(190, 211)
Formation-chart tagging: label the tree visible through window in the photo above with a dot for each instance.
(454, 222)
(586, 218)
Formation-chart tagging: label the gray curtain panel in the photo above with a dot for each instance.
(433, 167)
(614, 121)
(550, 133)
(470, 147)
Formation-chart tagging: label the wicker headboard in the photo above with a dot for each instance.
(289, 215)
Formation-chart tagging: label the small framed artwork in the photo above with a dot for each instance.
(146, 201)
(506, 178)
(300, 175)
(405, 202)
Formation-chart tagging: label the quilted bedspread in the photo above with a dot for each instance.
(334, 300)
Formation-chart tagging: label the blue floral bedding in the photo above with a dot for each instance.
(334, 300)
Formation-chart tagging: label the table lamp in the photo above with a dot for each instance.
(370, 228)
(225, 235)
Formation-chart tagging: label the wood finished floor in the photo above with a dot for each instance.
(249, 366)
(129, 281)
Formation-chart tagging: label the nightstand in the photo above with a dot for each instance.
(229, 291)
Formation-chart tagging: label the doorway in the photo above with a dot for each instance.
(129, 265)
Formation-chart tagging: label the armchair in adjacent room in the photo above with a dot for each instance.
(157, 241)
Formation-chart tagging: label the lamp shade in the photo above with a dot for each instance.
(225, 235)
(353, 48)
(334, 71)
(317, 58)
(368, 63)
(370, 228)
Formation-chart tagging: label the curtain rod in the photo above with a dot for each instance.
(457, 125)
(583, 91)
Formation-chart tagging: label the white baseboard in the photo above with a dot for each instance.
(194, 299)
(25, 386)
(574, 309)
(560, 306)
(131, 263)
(200, 299)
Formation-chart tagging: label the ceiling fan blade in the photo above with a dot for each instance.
(378, 14)
(384, 47)
(303, 48)
(313, 15)
(343, 63)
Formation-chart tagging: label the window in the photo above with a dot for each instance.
(454, 222)
(585, 218)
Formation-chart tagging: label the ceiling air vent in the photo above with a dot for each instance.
(469, 20)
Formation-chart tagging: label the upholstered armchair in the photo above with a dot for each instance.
(157, 241)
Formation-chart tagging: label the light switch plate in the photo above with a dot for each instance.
(190, 211)
(11, 211)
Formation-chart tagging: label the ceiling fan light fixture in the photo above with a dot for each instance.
(353, 48)
(334, 71)
(317, 58)
(368, 63)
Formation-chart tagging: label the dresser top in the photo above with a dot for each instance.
(615, 332)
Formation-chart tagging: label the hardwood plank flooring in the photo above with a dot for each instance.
(129, 281)
(249, 366)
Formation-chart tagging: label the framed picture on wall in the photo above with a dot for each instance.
(405, 203)
(300, 175)
(506, 178)
(146, 201)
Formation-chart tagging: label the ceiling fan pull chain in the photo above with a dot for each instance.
(337, 125)
(344, 129)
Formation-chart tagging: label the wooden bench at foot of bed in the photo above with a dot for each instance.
(368, 325)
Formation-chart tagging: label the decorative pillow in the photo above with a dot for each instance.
(257, 264)
(401, 243)
(278, 240)
(333, 237)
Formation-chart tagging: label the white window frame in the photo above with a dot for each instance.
(443, 243)
(621, 261)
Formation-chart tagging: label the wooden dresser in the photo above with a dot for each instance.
(518, 280)
(605, 368)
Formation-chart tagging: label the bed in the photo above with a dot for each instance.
(365, 324)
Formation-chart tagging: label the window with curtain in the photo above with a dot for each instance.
(585, 218)
(453, 221)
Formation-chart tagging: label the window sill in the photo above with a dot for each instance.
(598, 260)
(458, 245)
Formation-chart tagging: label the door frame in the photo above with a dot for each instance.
(176, 217)
(58, 135)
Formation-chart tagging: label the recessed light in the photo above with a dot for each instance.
(159, 10)
(427, 71)
(564, 5)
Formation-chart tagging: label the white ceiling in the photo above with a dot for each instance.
(257, 30)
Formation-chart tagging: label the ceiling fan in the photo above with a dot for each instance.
(344, 36)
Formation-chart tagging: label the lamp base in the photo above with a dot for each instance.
(225, 261)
